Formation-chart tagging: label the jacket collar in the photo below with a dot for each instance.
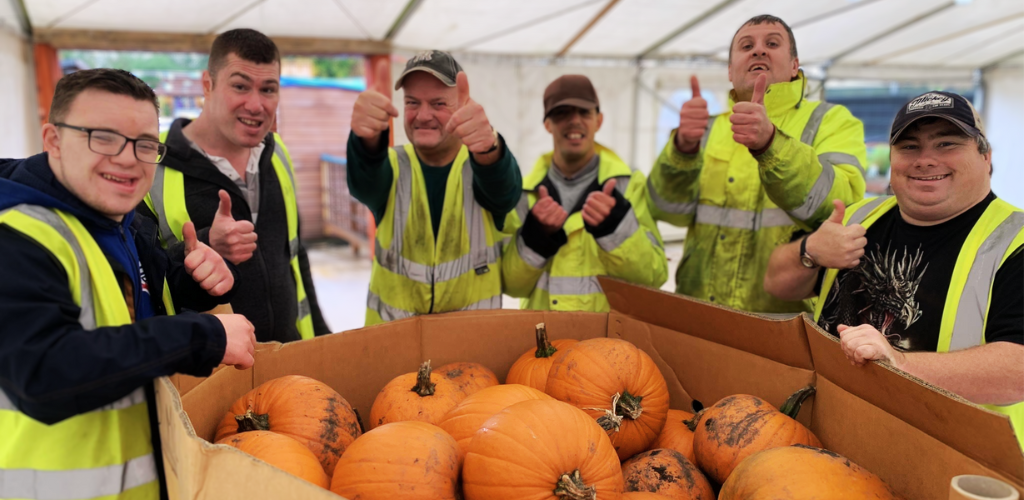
(610, 165)
(781, 97)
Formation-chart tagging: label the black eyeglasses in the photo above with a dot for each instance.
(110, 143)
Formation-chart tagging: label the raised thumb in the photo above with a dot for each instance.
(224, 209)
(543, 192)
(462, 85)
(759, 88)
(188, 232)
(382, 77)
(609, 186)
(838, 213)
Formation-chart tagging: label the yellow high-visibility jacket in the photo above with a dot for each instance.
(738, 208)
(567, 280)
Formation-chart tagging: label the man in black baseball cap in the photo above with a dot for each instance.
(434, 252)
(930, 280)
(588, 214)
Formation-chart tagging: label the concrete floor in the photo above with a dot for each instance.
(342, 279)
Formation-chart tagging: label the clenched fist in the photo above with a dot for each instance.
(750, 124)
(693, 120)
(469, 122)
(836, 246)
(241, 341)
(235, 240)
(373, 110)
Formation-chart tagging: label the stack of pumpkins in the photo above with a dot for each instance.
(575, 420)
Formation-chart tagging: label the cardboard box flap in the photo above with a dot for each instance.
(982, 435)
(783, 341)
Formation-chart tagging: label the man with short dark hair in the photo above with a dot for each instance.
(756, 176)
(88, 300)
(440, 201)
(930, 280)
(583, 214)
(227, 172)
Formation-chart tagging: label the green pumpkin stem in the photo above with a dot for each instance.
(424, 387)
(571, 487)
(253, 422)
(792, 405)
(544, 347)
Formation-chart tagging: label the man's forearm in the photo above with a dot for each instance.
(988, 374)
(787, 278)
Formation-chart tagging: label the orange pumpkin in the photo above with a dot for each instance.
(676, 435)
(408, 460)
(468, 377)
(798, 472)
(422, 396)
(666, 472)
(642, 495)
(531, 369)
(282, 452)
(739, 426)
(616, 383)
(301, 408)
(466, 418)
(542, 450)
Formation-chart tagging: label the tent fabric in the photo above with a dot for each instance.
(884, 33)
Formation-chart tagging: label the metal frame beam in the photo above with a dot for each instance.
(944, 38)
(22, 13)
(889, 32)
(586, 28)
(686, 27)
(402, 19)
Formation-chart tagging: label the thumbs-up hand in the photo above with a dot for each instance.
(599, 204)
(204, 264)
(837, 246)
(469, 123)
(750, 124)
(693, 120)
(548, 212)
(373, 110)
(235, 240)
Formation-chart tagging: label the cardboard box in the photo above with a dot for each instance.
(913, 436)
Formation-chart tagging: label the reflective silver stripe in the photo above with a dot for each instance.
(392, 260)
(742, 219)
(87, 313)
(669, 207)
(969, 326)
(304, 309)
(5, 402)
(622, 183)
(386, 311)
(156, 193)
(293, 248)
(488, 303)
(454, 268)
(531, 258)
(862, 213)
(841, 158)
(523, 207)
(279, 152)
(819, 191)
(403, 199)
(569, 285)
(707, 132)
(627, 227)
(654, 240)
(77, 483)
(811, 129)
(478, 250)
(137, 396)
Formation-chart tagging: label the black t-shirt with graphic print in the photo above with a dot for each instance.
(901, 285)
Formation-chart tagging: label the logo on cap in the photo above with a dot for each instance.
(426, 55)
(930, 101)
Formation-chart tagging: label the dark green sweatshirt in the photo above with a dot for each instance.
(497, 187)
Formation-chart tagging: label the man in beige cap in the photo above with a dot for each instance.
(583, 214)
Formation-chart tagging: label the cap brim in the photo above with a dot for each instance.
(444, 79)
(572, 101)
(967, 129)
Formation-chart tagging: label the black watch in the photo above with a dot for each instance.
(805, 258)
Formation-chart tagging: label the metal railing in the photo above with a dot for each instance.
(344, 216)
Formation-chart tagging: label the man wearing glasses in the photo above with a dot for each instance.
(227, 172)
(88, 300)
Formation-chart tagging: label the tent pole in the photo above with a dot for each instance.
(633, 155)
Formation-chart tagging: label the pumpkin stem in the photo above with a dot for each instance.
(424, 387)
(544, 348)
(252, 422)
(692, 422)
(572, 487)
(610, 422)
(628, 405)
(792, 405)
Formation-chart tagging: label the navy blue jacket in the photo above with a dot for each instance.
(50, 367)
